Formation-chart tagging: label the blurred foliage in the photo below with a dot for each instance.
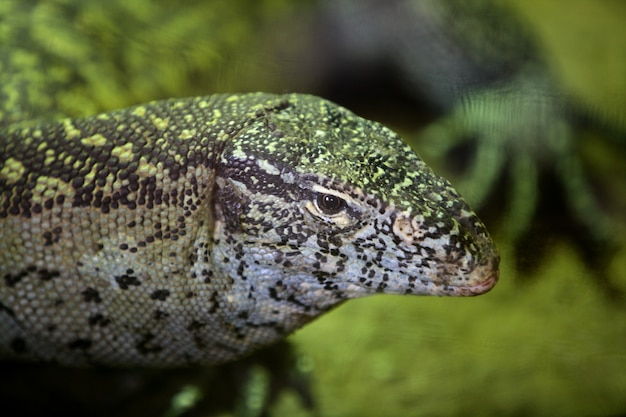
(551, 345)
(72, 58)
(584, 43)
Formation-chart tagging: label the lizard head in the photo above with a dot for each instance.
(329, 206)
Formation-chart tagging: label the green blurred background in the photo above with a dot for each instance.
(550, 339)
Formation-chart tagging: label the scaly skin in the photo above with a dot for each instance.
(196, 230)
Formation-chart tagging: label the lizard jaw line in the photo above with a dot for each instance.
(478, 289)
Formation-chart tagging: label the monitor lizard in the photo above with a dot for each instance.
(196, 230)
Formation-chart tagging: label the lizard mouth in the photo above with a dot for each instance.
(479, 288)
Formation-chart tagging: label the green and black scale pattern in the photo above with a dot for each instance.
(196, 230)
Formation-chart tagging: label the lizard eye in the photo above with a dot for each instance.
(330, 204)
(332, 210)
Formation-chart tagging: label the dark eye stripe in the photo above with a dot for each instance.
(330, 204)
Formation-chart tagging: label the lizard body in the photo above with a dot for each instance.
(196, 230)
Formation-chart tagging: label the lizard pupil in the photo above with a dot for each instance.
(330, 204)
